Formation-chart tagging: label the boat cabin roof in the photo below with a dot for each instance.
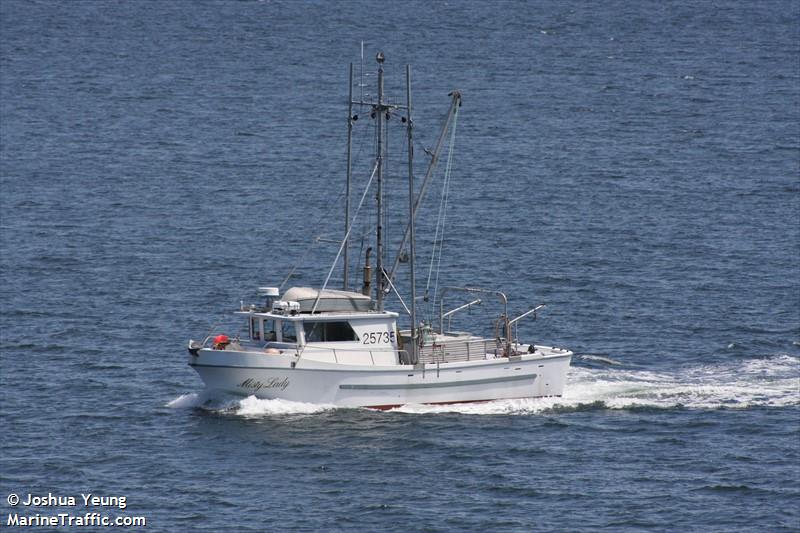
(327, 300)
(297, 303)
(330, 316)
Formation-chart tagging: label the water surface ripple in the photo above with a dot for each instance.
(634, 165)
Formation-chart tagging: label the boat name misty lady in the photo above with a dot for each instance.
(256, 385)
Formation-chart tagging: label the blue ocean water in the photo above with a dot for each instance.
(635, 165)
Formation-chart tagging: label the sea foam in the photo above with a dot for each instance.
(768, 382)
(256, 407)
(250, 407)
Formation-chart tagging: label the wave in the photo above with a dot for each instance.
(753, 383)
(256, 407)
(249, 407)
(186, 401)
(599, 359)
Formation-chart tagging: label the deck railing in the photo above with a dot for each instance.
(459, 350)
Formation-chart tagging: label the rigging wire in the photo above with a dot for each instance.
(436, 255)
(387, 219)
(386, 145)
(300, 262)
(388, 279)
(366, 226)
(361, 143)
(316, 239)
(344, 241)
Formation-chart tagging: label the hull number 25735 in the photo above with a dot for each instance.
(378, 337)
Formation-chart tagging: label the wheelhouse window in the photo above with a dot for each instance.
(269, 330)
(288, 333)
(329, 332)
(262, 329)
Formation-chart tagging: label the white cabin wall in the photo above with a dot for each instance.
(385, 332)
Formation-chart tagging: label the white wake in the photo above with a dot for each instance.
(250, 407)
(769, 382)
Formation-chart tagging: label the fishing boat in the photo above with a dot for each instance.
(342, 347)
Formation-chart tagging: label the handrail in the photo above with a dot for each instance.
(451, 312)
(462, 307)
(445, 290)
(499, 294)
(526, 313)
(458, 350)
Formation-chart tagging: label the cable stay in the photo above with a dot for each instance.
(438, 240)
(442, 218)
(397, 293)
(317, 239)
(346, 237)
(435, 154)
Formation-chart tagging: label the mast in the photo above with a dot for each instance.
(378, 234)
(349, 177)
(381, 111)
(409, 125)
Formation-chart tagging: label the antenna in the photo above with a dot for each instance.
(380, 109)
(413, 281)
(361, 84)
(345, 281)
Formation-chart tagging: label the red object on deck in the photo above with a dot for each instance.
(221, 339)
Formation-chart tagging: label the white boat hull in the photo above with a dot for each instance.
(382, 387)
